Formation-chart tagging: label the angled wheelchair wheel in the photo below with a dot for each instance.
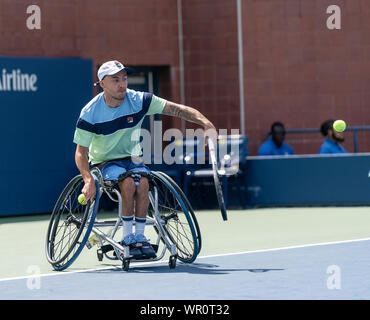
(179, 219)
(189, 208)
(70, 225)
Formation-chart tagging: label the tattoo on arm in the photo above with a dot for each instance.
(184, 112)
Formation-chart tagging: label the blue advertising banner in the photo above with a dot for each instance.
(40, 101)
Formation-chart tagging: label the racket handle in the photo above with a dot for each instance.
(211, 145)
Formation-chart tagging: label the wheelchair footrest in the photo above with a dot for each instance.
(106, 248)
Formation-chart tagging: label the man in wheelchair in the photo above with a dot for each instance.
(106, 136)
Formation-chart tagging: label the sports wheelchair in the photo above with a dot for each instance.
(74, 226)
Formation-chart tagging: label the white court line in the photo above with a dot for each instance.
(200, 257)
(285, 248)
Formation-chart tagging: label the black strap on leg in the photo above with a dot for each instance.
(136, 175)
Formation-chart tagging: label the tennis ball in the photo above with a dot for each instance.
(339, 125)
(81, 199)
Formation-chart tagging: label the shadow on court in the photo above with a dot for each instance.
(194, 268)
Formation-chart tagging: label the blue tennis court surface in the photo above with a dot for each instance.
(337, 270)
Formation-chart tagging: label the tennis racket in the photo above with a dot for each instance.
(216, 178)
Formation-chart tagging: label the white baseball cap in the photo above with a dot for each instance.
(112, 67)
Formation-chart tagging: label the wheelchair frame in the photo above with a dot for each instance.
(101, 238)
(123, 252)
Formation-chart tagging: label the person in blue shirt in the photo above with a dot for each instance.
(275, 145)
(331, 145)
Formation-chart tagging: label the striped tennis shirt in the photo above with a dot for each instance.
(114, 133)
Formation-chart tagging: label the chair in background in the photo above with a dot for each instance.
(231, 158)
(177, 156)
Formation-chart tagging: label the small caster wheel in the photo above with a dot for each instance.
(172, 262)
(125, 264)
(99, 253)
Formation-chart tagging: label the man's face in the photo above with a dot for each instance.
(335, 135)
(115, 85)
(278, 135)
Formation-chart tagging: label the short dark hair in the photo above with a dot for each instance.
(326, 126)
(277, 124)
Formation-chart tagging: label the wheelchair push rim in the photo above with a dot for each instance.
(70, 225)
(189, 207)
(179, 219)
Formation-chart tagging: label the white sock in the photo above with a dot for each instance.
(139, 226)
(127, 222)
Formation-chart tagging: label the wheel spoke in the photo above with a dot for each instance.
(67, 226)
(177, 220)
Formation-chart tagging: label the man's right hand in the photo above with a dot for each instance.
(89, 190)
(82, 162)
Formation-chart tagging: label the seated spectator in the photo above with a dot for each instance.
(333, 140)
(275, 145)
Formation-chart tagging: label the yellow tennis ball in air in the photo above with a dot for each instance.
(339, 125)
(81, 199)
